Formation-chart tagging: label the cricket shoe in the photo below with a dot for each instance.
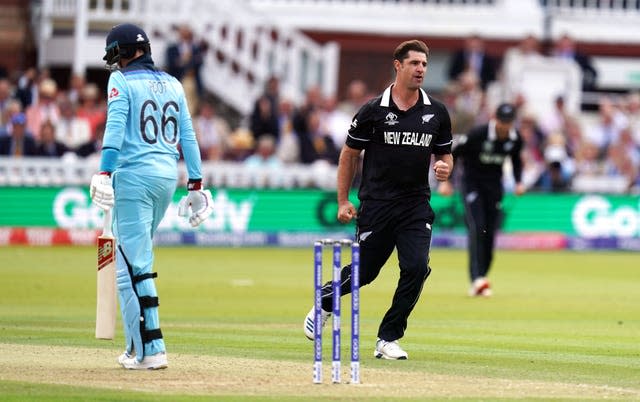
(389, 351)
(309, 322)
(153, 362)
(124, 356)
(480, 287)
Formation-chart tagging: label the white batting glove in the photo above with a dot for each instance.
(198, 205)
(101, 191)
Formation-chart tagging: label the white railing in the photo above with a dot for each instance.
(45, 172)
(454, 18)
(246, 47)
(72, 171)
(624, 7)
(612, 21)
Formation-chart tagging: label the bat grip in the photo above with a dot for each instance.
(106, 226)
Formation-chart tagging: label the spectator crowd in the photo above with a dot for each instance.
(564, 150)
(38, 118)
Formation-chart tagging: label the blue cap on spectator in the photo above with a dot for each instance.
(18, 118)
(506, 113)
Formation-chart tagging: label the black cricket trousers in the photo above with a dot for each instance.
(382, 226)
(482, 205)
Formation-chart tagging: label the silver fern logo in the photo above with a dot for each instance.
(363, 236)
(426, 118)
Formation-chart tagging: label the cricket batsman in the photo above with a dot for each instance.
(147, 118)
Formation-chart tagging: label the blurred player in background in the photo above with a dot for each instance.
(147, 119)
(483, 153)
(399, 131)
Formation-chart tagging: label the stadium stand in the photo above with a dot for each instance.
(317, 48)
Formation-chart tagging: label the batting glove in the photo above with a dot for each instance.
(198, 205)
(101, 190)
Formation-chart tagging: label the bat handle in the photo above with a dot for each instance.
(106, 226)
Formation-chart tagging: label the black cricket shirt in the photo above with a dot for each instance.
(398, 145)
(483, 155)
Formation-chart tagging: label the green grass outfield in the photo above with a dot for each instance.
(561, 326)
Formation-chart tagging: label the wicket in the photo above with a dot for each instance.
(355, 309)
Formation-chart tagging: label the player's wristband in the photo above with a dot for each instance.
(105, 173)
(194, 184)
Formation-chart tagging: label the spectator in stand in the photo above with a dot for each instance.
(588, 161)
(288, 147)
(45, 108)
(185, 59)
(92, 107)
(634, 188)
(334, 121)
(527, 51)
(316, 143)
(559, 168)
(630, 146)
(75, 88)
(27, 91)
(5, 99)
(554, 179)
(473, 58)
(302, 118)
(529, 122)
(71, 130)
(533, 163)
(449, 94)
(632, 111)
(607, 130)
(619, 163)
(312, 102)
(573, 136)
(212, 132)
(265, 154)
(264, 163)
(14, 106)
(558, 119)
(93, 146)
(240, 145)
(20, 141)
(555, 149)
(528, 48)
(357, 95)
(264, 117)
(565, 48)
(469, 106)
(47, 145)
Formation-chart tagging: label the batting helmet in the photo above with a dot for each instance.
(122, 42)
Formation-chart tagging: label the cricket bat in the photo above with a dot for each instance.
(106, 295)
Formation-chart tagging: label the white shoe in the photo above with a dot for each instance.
(480, 287)
(154, 362)
(124, 356)
(389, 350)
(308, 322)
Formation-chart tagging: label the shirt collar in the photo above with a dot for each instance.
(144, 60)
(386, 97)
(492, 136)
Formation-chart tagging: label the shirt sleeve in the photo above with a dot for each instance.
(460, 145)
(360, 130)
(444, 140)
(516, 162)
(189, 143)
(117, 112)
